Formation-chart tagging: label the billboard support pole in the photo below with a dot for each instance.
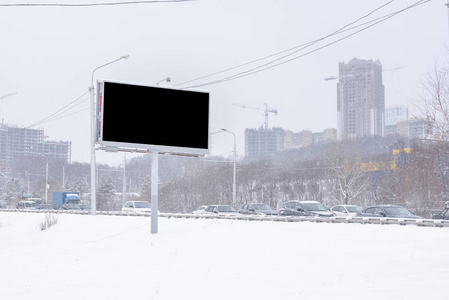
(154, 190)
(93, 188)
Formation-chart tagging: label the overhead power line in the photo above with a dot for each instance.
(287, 57)
(91, 4)
(302, 46)
(59, 113)
(66, 115)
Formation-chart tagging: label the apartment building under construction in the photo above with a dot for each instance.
(16, 142)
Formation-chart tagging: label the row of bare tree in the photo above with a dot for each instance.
(344, 175)
(361, 172)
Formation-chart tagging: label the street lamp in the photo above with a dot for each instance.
(7, 95)
(234, 187)
(93, 189)
(165, 79)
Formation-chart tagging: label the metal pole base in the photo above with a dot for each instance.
(154, 190)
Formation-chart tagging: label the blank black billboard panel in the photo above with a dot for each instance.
(153, 118)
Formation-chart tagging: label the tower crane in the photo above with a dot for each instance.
(266, 110)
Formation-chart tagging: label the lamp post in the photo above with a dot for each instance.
(7, 95)
(234, 185)
(165, 79)
(93, 189)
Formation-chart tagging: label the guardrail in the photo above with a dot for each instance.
(347, 220)
(357, 220)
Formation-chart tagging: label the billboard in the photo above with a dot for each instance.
(152, 118)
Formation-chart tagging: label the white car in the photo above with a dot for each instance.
(221, 210)
(199, 210)
(27, 205)
(137, 207)
(347, 210)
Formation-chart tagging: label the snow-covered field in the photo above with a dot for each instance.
(116, 257)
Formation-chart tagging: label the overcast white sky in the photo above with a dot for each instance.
(47, 55)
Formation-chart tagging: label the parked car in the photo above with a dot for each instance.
(442, 215)
(44, 207)
(260, 209)
(199, 210)
(221, 210)
(305, 208)
(70, 206)
(137, 207)
(84, 206)
(347, 210)
(38, 201)
(27, 204)
(390, 211)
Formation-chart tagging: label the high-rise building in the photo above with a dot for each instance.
(360, 99)
(416, 129)
(325, 136)
(394, 115)
(288, 139)
(18, 142)
(330, 134)
(303, 138)
(263, 142)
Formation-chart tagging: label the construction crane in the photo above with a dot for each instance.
(266, 110)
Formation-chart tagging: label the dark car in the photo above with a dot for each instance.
(44, 207)
(390, 211)
(260, 209)
(442, 215)
(305, 208)
(84, 206)
(70, 206)
(221, 210)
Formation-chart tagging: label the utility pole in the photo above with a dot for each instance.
(7, 95)
(447, 5)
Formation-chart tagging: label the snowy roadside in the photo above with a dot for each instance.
(113, 257)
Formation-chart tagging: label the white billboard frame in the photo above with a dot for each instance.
(115, 146)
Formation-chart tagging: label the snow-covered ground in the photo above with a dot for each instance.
(116, 257)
